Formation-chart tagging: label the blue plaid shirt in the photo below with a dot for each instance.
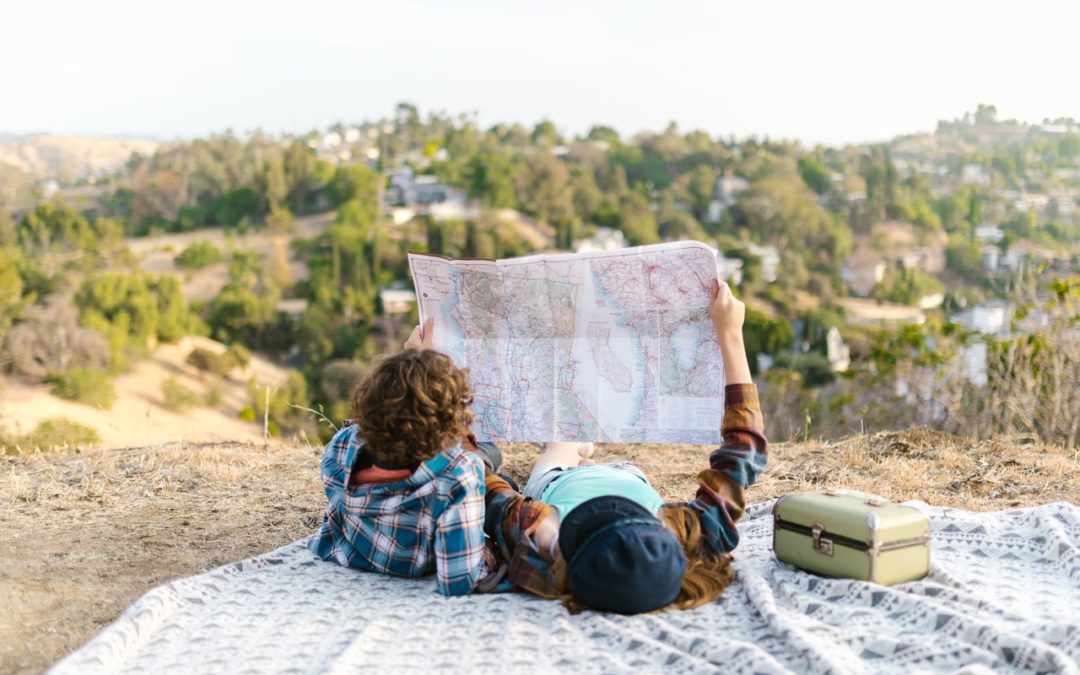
(431, 521)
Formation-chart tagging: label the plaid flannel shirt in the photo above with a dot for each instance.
(719, 502)
(431, 521)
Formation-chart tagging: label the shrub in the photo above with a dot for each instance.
(813, 368)
(236, 356)
(85, 385)
(287, 403)
(209, 361)
(212, 398)
(199, 255)
(280, 219)
(176, 396)
(338, 378)
(58, 432)
(50, 340)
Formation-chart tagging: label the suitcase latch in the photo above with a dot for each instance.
(823, 546)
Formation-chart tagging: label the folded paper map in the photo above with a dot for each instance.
(608, 346)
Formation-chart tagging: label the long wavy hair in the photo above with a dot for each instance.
(412, 405)
(708, 573)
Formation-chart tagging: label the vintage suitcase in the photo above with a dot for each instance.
(850, 534)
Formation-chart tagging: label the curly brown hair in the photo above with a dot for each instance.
(411, 405)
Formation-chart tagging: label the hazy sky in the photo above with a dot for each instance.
(819, 71)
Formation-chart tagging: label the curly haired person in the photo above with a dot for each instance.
(405, 481)
(599, 536)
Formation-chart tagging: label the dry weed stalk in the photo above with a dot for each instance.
(1032, 375)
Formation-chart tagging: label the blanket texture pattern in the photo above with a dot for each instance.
(1003, 596)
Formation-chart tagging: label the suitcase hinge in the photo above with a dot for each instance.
(823, 546)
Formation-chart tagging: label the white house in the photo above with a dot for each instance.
(971, 360)
(726, 195)
(770, 261)
(425, 194)
(989, 234)
(729, 269)
(990, 318)
(973, 174)
(397, 300)
(838, 353)
(932, 301)
(605, 239)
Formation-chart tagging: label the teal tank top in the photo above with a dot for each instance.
(579, 485)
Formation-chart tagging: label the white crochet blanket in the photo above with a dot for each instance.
(1003, 596)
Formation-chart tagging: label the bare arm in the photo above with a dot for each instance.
(736, 464)
(728, 314)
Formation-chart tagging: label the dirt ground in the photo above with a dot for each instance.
(85, 533)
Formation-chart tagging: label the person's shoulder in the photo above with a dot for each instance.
(460, 466)
(343, 436)
(340, 443)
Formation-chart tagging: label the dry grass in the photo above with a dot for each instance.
(84, 533)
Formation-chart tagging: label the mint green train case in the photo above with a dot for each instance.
(853, 535)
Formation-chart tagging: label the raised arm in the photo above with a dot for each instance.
(736, 464)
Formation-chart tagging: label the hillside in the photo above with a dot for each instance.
(139, 415)
(157, 254)
(85, 532)
(68, 158)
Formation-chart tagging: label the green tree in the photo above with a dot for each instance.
(356, 183)
(544, 187)
(243, 312)
(545, 133)
(11, 291)
(491, 179)
(636, 219)
(586, 192)
(781, 209)
(603, 134)
(235, 205)
(964, 256)
(906, 286)
(696, 188)
(816, 175)
(765, 335)
(975, 209)
(985, 114)
(120, 300)
(273, 184)
(175, 319)
(300, 172)
(54, 224)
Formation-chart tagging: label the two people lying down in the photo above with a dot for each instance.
(410, 491)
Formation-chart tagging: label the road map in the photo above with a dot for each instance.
(608, 346)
